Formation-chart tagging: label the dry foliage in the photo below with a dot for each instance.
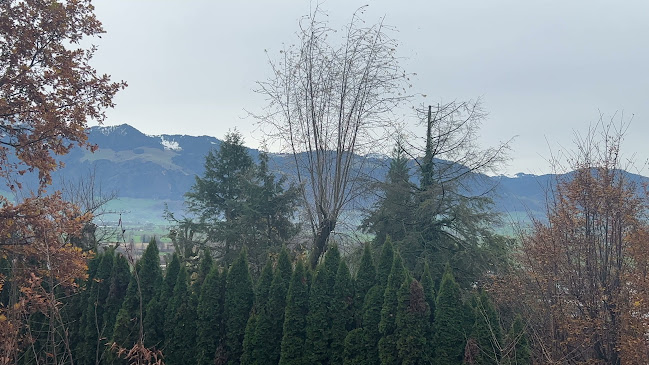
(582, 279)
(48, 92)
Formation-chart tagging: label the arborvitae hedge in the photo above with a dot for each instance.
(239, 299)
(297, 309)
(295, 321)
(365, 279)
(413, 325)
(450, 320)
(388, 343)
(342, 312)
(319, 320)
(210, 317)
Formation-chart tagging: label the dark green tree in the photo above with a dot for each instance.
(94, 328)
(180, 327)
(154, 322)
(210, 327)
(447, 216)
(239, 299)
(342, 312)
(450, 322)
(388, 352)
(391, 213)
(371, 319)
(365, 279)
(238, 203)
(119, 279)
(319, 320)
(385, 262)
(295, 319)
(204, 268)
(268, 334)
(171, 277)
(249, 347)
(144, 284)
(413, 323)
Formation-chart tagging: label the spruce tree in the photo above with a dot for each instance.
(295, 319)
(319, 320)
(450, 321)
(365, 279)
(413, 322)
(388, 343)
(210, 317)
(342, 312)
(239, 299)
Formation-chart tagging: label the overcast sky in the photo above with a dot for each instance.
(544, 69)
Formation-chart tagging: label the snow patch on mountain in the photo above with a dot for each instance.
(170, 145)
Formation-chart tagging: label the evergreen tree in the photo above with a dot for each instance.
(388, 343)
(249, 347)
(450, 321)
(354, 353)
(149, 272)
(429, 290)
(342, 312)
(371, 319)
(154, 322)
(486, 331)
(204, 268)
(319, 320)
(180, 331)
(295, 320)
(262, 289)
(239, 299)
(391, 214)
(520, 353)
(142, 287)
(126, 330)
(365, 279)
(238, 201)
(170, 279)
(413, 323)
(93, 325)
(210, 317)
(119, 278)
(268, 335)
(385, 262)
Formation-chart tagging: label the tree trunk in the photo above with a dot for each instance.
(320, 240)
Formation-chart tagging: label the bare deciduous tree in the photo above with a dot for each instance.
(331, 100)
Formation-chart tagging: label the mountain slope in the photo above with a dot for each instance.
(162, 168)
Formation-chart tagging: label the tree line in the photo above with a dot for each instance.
(289, 314)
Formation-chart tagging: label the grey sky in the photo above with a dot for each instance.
(543, 68)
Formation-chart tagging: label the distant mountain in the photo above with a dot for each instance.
(163, 167)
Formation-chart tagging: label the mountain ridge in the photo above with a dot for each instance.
(163, 168)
